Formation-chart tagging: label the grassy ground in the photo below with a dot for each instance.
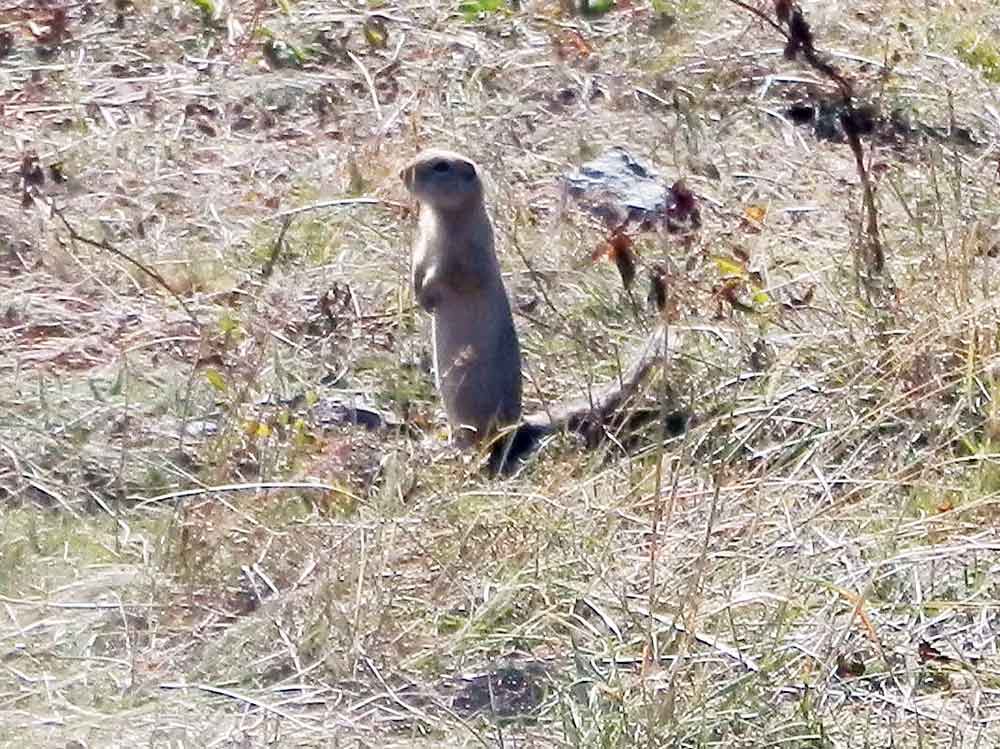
(814, 563)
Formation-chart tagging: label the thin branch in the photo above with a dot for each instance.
(370, 82)
(268, 268)
(762, 16)
(104, 245)
(334, 204)
(143, 501)
(72, 605)
(798, 38)
(253, 701)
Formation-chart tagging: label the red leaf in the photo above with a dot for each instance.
(682, 205)
(783, 10)
(928, 652)
(620, 251)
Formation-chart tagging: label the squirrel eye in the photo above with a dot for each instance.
(441, 167)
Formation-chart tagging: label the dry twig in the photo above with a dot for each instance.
(799, 40)
(107, 247)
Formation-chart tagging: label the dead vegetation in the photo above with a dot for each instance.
(197, 549)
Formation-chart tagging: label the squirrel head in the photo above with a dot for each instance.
(443, 180)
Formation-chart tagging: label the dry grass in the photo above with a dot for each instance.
(815, 563)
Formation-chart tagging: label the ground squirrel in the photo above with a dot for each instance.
(477, 360)
(456, 277)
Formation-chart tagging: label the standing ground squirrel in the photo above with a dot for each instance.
(477, 360)
(456, 277)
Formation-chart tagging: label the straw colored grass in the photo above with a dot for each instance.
(188, 557)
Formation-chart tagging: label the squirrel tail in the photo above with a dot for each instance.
(588, 417)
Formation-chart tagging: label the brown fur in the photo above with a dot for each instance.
(477, 360)
(456, 277)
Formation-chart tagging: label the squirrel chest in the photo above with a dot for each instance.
(477, 360)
